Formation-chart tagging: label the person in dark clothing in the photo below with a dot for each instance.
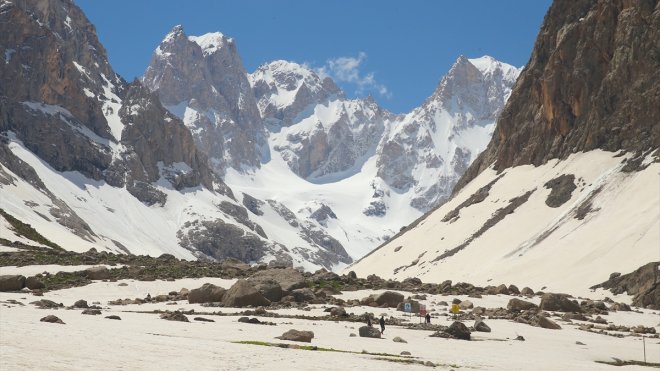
(428, 319)
(369, 321)
(382, 324)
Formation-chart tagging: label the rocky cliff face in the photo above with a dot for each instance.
(202, 80)
(591, 82)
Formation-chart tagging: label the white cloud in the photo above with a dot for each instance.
(347, 70)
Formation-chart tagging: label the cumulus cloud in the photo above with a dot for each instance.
(347, 70)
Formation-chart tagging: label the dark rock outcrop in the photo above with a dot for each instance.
(517, 305)
(591, 83)
(52, 319)
(643, 283)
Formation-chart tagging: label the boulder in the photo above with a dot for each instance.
(174, 316)
(52, 319)
(295, 335)
(242, 294)
(620, 307)
(548, 323)
(269, 288)
(252, 320)
(398, 340)
(12, 282)
(208, 293)
(527, 291)
(202, 319)
(46, 304)
(98, 273)
(91, 311)
(513, 290)
(288, 278)
(458, 330)
(112, 316)
(388, 298)
(34, 283)
(369, 332)
(481, 326)
(405, 353)
(81, 304)
(466, 304)
(517, 305)
(338, 312)
(558, 303)
(502, 289)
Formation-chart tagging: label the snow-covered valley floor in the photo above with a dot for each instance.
(141, 340)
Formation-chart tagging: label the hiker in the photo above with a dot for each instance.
(369, 321)
(428, 319)
(382, 324)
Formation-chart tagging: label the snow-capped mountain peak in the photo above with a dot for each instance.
(211, 42)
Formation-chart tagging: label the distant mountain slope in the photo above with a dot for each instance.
(567, 191)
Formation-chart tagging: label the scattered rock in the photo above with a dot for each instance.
(352, 335)
(458, 330)
(527, 291)
(91, 311)
(295, 335)
(519, 338)
(481, 326)
(254, 321)
(517, 305)
(623, 307)
(12, 283)
(369, 332)
(558, 303)
(398, 340)
(202, 319)
(548, 323)
(34, 283)
(580, 343)
(123, 284)
(338, 312)
(174, 316)
(97, 273)
(52, 319)
(208, 293)
(466, 304)
(46, 304)
(80, 304)
(112, 316)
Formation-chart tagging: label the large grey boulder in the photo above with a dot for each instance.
(389, 298)
(481, 326)
(242, 294)
(288, 278)
(208, 293)
(270, 289)
(34, 283)
(558, 303)
(369, 332)
(12, 282)
(295, 335)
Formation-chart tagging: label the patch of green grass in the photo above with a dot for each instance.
(26, 230)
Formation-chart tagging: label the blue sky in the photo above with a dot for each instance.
(396, 51)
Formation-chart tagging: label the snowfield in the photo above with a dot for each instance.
(142, 340)
(536, 245)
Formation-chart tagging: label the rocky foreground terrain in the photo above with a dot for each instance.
(231, 310)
